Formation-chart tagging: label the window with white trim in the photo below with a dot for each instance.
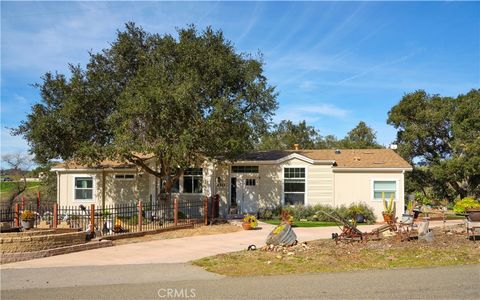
(294, 186)
(83, 188)
(125, 176)
(250, 182)
(384, 188)
(193, 181)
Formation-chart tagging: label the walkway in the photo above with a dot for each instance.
(179, 250)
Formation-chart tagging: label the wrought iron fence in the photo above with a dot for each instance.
(111, 219)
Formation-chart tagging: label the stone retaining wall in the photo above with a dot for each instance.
(14, 257)
(38, 240)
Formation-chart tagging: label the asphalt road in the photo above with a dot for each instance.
(177, 281)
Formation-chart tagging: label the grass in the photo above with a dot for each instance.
(10, 186)
(302, 223)
(325, 256)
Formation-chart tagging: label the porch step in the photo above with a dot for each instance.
(235, 216)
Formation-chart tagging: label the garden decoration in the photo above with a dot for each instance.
(282, 235)
(249, 222)
(28, 219)
(408, 216)
(388, 209)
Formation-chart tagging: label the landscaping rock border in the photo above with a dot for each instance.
(15, 257)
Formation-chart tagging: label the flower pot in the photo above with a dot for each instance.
(28, 224)
(387, 217)
(473, 214)
(247, 226)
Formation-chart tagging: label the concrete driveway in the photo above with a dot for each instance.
(179, 250)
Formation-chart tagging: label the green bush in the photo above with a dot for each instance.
(314, 213)
(461, 206)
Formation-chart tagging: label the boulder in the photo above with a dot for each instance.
(282, 235)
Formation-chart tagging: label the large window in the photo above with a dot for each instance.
(83, 188)
(294, 186)
(387, 188)
(244, 169)
(192, 181)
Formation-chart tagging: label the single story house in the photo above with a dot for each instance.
(257, 180)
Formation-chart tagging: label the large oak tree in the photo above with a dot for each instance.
(179, 99)
(442, 134)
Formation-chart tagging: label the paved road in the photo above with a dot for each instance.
(179, 250)
(461, 282)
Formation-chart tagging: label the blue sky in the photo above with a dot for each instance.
(333, 63)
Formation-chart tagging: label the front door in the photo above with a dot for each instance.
(247, 194)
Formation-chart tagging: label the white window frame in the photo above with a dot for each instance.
(182, 186)
(251, 180)
(94, 188)
(372, 186)
(123, 176)
(305, 202)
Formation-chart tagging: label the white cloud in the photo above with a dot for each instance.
(309, 112)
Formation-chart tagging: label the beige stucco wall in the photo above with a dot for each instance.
(116, 190)
(358, 187)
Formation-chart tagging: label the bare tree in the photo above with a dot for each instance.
(18, 164)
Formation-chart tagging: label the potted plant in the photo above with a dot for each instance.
(408, 216)
(286, 217)
(388, 209)
(249, 222)
(28, 219)
(468, 206)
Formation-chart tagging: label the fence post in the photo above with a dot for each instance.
(175, 211)
(23, 202)
(205, 209)
(55, 215)
(38, 200)
(92, 219)
(17, 215)
(140, 221)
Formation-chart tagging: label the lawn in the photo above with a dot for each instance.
(302, 223)
(326, 256)
(10, 186)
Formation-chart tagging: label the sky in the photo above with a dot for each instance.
(333, 63)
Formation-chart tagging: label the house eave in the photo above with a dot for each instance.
(376, 170)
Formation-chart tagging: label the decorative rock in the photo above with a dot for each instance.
(282, 235)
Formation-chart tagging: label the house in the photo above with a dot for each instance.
(257, 180)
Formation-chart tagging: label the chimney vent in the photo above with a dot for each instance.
(296, 147)
(337, 151)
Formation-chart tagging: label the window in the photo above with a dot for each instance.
(294, 186)
(244, 169)
(125, 176)
(83, 188)
(250, 182)
(192, 181)
(388, 188)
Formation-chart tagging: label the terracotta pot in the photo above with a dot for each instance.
(247, 226)
(387, 217)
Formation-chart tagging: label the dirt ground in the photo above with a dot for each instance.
(200, 230)
(449, 247)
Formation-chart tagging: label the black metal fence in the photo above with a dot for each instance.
(112, 219)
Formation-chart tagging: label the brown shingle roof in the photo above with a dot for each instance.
(347, 158)
(106, 164)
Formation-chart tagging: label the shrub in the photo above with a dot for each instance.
(461, 206)
(363, 209)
